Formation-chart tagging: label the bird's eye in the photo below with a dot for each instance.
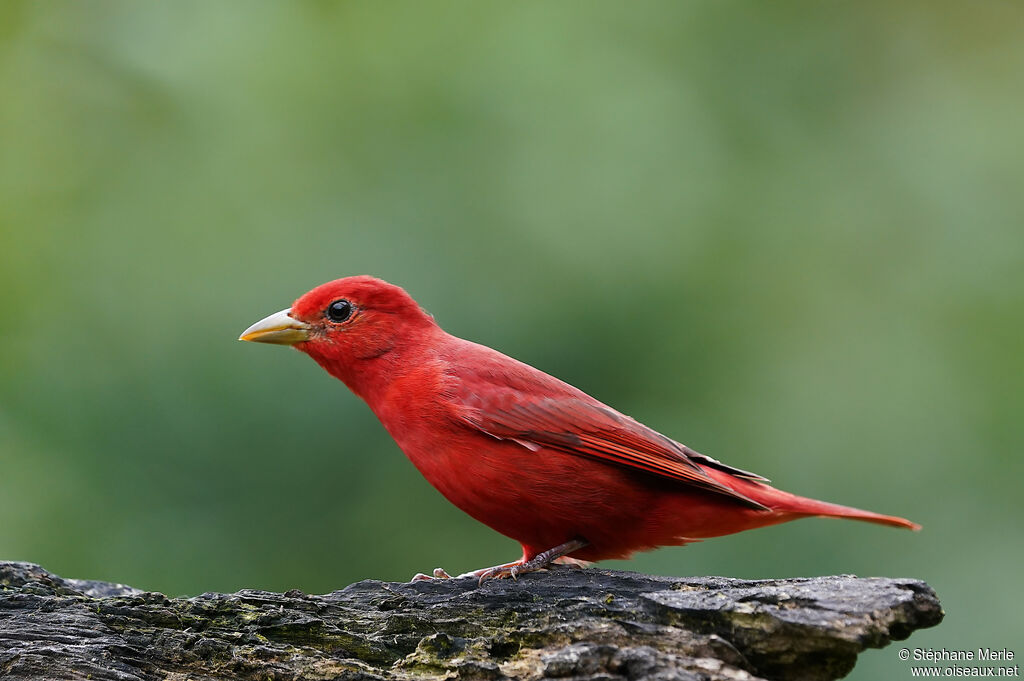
(339, 311)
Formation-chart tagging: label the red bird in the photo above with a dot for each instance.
(528, 455)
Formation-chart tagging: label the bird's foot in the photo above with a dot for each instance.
(542, 561)
(441, 573)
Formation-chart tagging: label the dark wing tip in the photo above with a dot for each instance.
(718, 465)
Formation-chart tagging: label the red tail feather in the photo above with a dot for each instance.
(785, 502)
(823, 508)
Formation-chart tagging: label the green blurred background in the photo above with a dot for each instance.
(789, 235)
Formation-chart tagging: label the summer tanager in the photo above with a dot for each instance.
(534, 458)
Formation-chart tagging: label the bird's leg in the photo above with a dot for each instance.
(539, 562)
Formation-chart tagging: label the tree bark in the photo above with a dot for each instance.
(585, 624)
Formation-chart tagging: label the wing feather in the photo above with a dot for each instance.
(578, 426)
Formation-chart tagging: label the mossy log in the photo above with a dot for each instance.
(585, 624)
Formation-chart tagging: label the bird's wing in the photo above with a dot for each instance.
(573, 424)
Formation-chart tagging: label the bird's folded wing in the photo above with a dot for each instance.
(583, 428)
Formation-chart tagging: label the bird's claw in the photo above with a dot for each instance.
(439, 573)
(492, 573)
(499, 572)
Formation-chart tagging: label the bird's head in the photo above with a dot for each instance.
(346, 324)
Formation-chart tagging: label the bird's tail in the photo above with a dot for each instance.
(805, 506)
(787, 503)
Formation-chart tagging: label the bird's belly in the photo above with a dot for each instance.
(546, 497)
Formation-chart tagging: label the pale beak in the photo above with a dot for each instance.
(278, 328)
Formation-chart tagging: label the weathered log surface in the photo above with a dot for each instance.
(585, 624)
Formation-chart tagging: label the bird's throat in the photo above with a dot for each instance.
(369, 377)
